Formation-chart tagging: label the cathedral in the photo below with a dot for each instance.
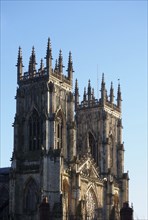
(66, 150)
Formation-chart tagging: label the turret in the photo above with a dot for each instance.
(76, 95)
(49, 57)
(32, 63)
(103, 91)
(119, 131)
(119, 98)
(120, 148)
(120, 160)
(111, 94)
(19, 65)
(70, 68)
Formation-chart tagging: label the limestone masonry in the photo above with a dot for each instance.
(66, 151)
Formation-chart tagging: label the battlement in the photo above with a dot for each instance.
(96, 104)
(89, 100)
(44, 73)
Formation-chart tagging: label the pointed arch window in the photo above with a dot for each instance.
(92, 146)
(59, 130)
(35, 131)
(111, 151)
(91, 205)
(31, 196)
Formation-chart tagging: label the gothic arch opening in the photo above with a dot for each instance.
(91, 205)
(59, 129)
(35, 125)
(92, 146)
(30, 196)
(111, 151)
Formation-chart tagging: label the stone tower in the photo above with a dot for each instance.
(75, 160)
(99, 131)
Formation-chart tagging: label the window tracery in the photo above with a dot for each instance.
(92, 146)
(35, 131)
(59, 130)
(91, 205)
(31, 196)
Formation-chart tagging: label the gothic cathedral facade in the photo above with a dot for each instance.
(67, 150)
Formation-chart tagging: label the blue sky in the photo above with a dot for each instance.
(104, 36)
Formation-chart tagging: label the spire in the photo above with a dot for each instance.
(119, 98)
(19, 65)
(70, 68)
(56, 66)
(32, 63)
(76, 94)
(103, 90)
(103, 82)
(48, 57)
(89, 90)
(111, 94)
(60, 64)
(93, 95)
(84, 96)
(41, 66)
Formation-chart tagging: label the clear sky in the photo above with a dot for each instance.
(104, 36)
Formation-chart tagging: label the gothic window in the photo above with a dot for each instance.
(91, 205)
(92, 146)
(35, 131)
(111, 153)
(30, 196)
(59, 130)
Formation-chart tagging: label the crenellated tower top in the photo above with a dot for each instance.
(47, 72)
(89, 99)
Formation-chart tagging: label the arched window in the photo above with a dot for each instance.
(59, 130)
(92, 146)
(35, 131)
(111, 151)
(91, 205)
(31, 196)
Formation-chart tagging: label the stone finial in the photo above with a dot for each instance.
(48, 57)
(19, 65)
(32, 63)
(70, 67)
(60, 64)
(119, 98)
(103, 90)
(111, 93)
(76, 94)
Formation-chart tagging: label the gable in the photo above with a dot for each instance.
(87, 168)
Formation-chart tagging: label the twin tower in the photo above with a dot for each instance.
(68, 151)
